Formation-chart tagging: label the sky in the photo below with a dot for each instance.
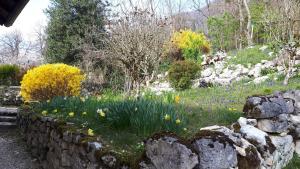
(31, 16)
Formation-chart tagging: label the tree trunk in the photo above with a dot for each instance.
(249, 25)
(241, 18)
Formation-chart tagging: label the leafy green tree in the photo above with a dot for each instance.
(72, 24)
(222, 31)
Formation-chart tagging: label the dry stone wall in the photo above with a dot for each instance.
(266, 138)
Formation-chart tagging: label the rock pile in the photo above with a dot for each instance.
(218, 72)
(266, 139)
(10, 96)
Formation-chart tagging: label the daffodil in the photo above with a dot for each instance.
(185, 129)
(136, 109)
(84, 113)
(48, 101)
(101, 112)
(82, 99)
(178, 121)
(167, 117)
(44, 113)
(177, 99)
(55, 111)
(98, 98)
(71, 114)
(91, 132)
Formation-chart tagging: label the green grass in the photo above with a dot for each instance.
(249, 56)
(294, 163)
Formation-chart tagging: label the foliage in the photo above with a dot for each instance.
(192, 45)
(222, 31)
(50, 80)
(69, 24)
(182, 73)
(9, 74)
(267, 71)
(294, 163)
(251, 55)
(142, 117)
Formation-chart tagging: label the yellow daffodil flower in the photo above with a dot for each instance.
(91, 132)
(48, 101)
(177, 99)
(82, 99)
(167, 117)
(44, 113)
(84, 113)
(71, 114)
(178, 121)
(55, 111)
(101, 112)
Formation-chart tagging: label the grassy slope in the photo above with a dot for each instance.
(249, 56)
(223, 105)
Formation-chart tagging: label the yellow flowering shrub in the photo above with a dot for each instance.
(50, 80)
(191, 44)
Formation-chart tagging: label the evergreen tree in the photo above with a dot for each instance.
(73, 23)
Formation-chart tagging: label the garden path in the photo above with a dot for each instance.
(13, 154)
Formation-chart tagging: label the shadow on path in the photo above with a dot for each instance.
(13, 153)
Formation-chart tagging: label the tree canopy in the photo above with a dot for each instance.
(70, 22)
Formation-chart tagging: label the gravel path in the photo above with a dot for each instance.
(13, 154)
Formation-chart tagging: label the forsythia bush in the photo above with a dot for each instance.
(182, 73)
(191, 44)
(50, 80)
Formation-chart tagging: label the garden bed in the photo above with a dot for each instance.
(56, 136)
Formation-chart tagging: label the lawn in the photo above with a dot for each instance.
(194, 108)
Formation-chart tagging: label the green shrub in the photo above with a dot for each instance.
(8, 74)
(142, 117)
(268, 71)
(182, 73)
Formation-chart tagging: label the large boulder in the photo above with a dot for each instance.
(267, 106)
(167, 152)
(215, 150)
(247, 155)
